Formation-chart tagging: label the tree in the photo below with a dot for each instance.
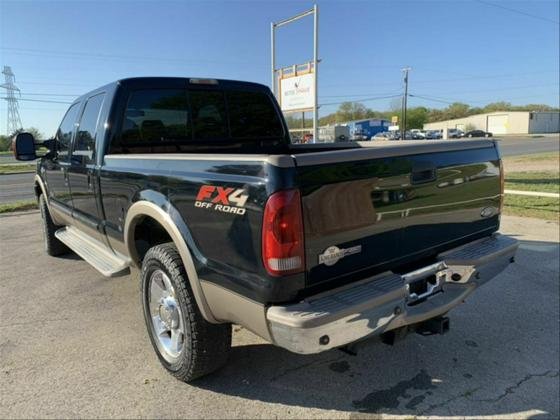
(348, 111)
(416, 117)
(498, 106)
(457, 110)
(34, 131)
(537, 107)
(5, 142)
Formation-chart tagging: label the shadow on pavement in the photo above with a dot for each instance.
(500, 358)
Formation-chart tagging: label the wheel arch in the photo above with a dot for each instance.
(39, 188)
(169, 219)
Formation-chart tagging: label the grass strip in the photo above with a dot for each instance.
(17, 169)
(534, 157)
(18, 206)
(547, 181)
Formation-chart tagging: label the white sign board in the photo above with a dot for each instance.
(297, 93)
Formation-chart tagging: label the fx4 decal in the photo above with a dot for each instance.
(226, 200)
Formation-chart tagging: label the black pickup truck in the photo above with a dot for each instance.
(194, 182)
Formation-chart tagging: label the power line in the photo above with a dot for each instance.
(54, 83)
(43, 101)
(74, 95)
(499, 6)
(430, 99)
(481, 77)
(364, 100)
(113, 57)
(359, 95)
(495, 76)
(455, 92)
(450, 101)
(58, 110)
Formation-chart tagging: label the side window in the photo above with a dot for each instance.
(64, 132)
(155, 117)
(84, 145)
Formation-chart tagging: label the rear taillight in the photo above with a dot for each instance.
(282, 234)
(502, 183)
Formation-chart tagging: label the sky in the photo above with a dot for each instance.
(476, 51)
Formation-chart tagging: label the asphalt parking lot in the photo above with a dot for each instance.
(73, 344)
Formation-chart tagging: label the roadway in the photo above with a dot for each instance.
(19, 186)
(16, 187)
(514, 146)
(73, 345)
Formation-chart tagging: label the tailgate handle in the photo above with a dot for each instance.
(423, 173)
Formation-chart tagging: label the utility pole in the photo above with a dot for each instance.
(13, 122)
(404, 102)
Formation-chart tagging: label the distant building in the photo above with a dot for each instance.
(506, 122)
(366, 129)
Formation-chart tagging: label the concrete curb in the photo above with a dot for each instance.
(532, 193)
(16, 173)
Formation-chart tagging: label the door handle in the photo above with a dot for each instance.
(90, 186)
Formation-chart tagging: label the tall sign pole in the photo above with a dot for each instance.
(311, 70)
(273, 59)
(316, 70)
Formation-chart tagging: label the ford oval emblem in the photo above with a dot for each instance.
(487, 212)
(333, 253)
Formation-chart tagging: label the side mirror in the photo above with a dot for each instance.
(23, 146)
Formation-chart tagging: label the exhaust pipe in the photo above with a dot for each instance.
(439, 325)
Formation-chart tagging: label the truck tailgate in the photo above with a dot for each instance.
(376, 208)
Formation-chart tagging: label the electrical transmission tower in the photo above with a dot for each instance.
(13, 119)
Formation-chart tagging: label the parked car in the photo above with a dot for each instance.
(382, 136)
(455, 133)
(418, 134)
(226, 222)
(433, 134)
(359, 135)
(478, 133)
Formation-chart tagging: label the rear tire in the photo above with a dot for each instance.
(53, 246)
(187, 345)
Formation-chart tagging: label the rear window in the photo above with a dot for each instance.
(209, 115)
(175, 119)
(252, 116)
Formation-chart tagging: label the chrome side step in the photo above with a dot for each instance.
(94, 252)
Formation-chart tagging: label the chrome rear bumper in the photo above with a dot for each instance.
(386, 301)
